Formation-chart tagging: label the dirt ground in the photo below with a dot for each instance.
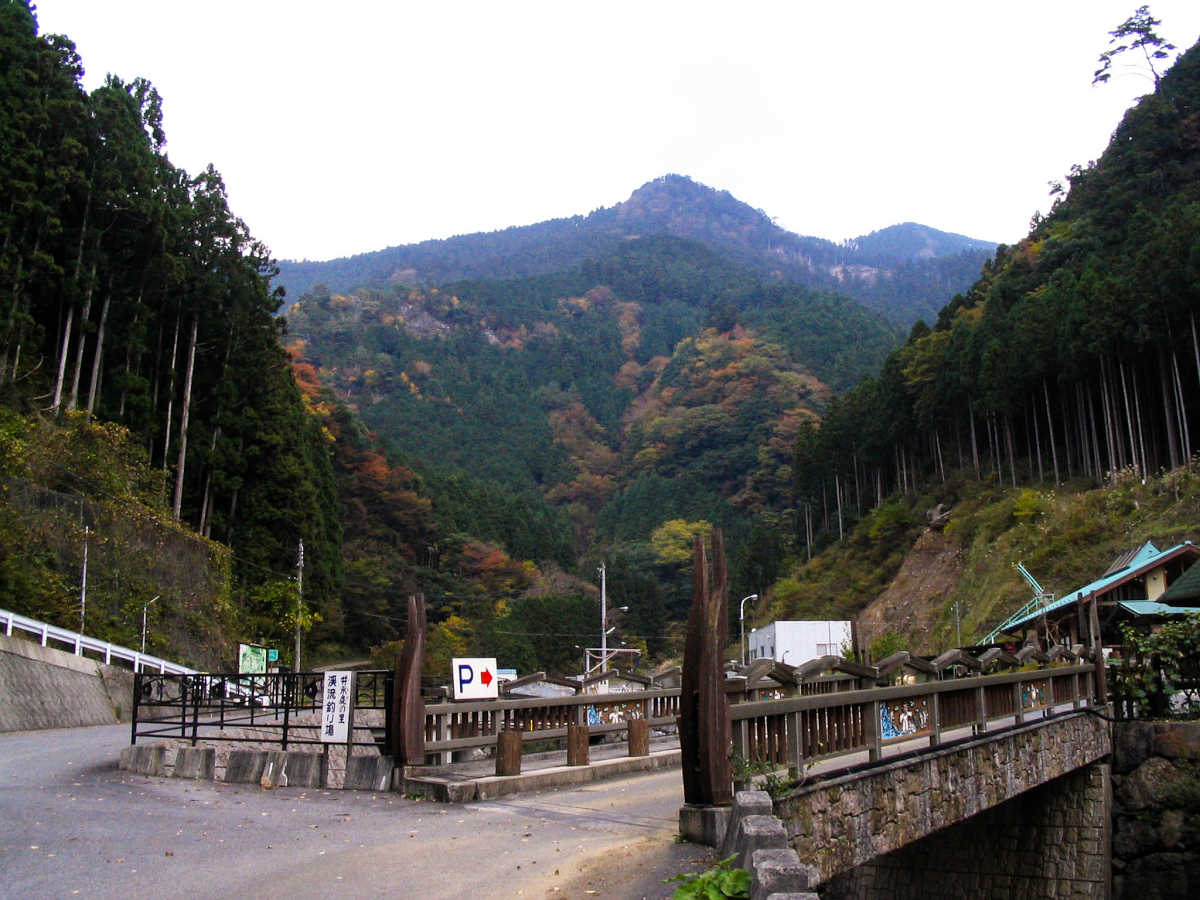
(632, 871)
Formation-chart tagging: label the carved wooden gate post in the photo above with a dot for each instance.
(704, 729)
(408, 707)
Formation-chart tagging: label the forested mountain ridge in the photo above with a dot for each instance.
(660, 364)
(1064, 368)
(904, 272)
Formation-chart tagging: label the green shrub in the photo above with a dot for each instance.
(719, 882)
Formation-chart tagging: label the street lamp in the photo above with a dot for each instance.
(742, 621)
(146, 606)
(605, 629)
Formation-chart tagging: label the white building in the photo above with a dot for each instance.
(795, 643)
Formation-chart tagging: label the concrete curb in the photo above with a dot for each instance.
(449, 789)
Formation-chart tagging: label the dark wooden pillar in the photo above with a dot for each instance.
(704, 731)
(1098, 649)
(408, 707)
(508, 752)
(639, 737)
(577, 745)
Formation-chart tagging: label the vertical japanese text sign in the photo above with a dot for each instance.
(337, 704)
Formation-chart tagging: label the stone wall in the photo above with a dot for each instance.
(845, 822)
(1156, 810)
(1051, 841)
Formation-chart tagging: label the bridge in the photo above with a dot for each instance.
(985, 775)
(997, 783)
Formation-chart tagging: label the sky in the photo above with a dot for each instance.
(350, 127)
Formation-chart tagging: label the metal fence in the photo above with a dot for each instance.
(277, 708)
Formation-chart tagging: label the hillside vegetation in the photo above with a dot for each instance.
(1049, 397)
(917, 587)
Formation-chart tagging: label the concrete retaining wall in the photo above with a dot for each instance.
(46, 688)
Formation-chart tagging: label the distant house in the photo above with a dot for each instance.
(796, 643)
(614, 681)
(1143, 586)
(539, 684)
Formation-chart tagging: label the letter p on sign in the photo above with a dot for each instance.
(474, 678)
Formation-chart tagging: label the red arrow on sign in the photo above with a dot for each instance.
(486, 678)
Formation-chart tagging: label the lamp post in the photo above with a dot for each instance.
(742, 622)
(146, 606)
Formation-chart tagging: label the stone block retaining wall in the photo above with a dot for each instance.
(1051, 841)
(847, 821)
(1156, 810)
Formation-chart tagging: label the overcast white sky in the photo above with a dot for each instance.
(346, 127)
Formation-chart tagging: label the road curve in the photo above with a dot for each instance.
(73, 825)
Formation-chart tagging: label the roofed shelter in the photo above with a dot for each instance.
(1144, 585)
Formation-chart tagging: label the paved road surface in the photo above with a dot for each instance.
(73, 825)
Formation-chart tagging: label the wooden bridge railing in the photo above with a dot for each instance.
(459, 726)
(796, 731)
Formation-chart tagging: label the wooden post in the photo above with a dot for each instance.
(408, 707)
(639, 737)
(873, 729)
(508, 752)
(1098, 650)
(577, 745)
(1018, 703)
(935, 720)
(795, 746)
(980, 710)
(704, 734)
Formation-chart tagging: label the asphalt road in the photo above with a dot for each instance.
(73, 825)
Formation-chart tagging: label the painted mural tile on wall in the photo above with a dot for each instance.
(1033, 695)
(903, 718)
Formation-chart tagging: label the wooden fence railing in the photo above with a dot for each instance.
(457, 726)
(795, 731)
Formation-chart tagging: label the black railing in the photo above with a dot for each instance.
(281, 708)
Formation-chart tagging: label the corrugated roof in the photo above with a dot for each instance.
(1146, 557)
(1123, 562)
(1154, 608)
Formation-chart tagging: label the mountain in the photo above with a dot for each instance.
(905, 272)
(657, 382)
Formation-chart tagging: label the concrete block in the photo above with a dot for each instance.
(807, 895)
(245, 766)
(274, 771)
(304, 770)
(368, 773)
(757, 833)
(144, 759)
(704, 824)
(195, 762)
(779, 872)
(745, 803)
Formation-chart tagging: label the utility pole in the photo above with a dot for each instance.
(299, 602)
(83, 586)
(603, 623)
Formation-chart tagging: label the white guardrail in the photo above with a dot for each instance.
(141, 662)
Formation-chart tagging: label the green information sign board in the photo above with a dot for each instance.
(252, 659)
